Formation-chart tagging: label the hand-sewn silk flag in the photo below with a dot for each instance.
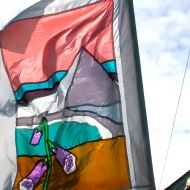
(71, 102)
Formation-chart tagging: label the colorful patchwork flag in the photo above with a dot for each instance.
(71, 102)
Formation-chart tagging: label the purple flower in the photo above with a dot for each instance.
(26, 184)
(66, 159)
(70, 165)
(30, 181)
(36, 137)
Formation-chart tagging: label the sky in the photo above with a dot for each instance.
(163, 29)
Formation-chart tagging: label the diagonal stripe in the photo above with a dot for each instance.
(50, 83)
(46, 7)
(51, 103)
(32, 95)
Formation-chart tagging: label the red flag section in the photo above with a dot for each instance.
(47, 44)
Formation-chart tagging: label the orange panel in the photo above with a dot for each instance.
(101, 165)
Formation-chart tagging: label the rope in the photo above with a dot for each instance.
(173, 125)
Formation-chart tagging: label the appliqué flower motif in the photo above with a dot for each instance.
(66, 159)
(36, 137)
(70, 165)
(30, 181)
(26, 184)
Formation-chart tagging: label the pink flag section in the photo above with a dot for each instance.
(50, 58)
(47, 44)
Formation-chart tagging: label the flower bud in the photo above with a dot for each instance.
(66, 159)
(30, 181)
(36, 137)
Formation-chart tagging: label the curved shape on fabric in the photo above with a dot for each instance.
(67, 134)
(49, 84)
(38, 51)
(50, 103)
(70, 91)
(115, 128)
(109, 67)
(112, 111)
(97, 168)
(104, 132)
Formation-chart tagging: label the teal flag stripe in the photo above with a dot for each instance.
(66, 134)
(110, 66)
(56, 77)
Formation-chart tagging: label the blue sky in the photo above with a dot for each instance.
(164, 40)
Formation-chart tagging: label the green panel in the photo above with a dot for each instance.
(66, 134)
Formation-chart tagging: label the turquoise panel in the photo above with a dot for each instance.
(57, 77)
(66, 134)
(110, 66)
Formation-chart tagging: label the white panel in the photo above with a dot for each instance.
(46, 7)
(8, 164)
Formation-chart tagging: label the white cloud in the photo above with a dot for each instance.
(164, 40)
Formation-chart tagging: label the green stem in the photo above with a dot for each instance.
(48, 154)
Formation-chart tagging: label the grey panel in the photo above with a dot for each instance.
(115, 129)
(46, 7)
(91, 85)
(135, 107)
(112, 111)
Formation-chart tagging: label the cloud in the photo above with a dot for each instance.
(164, 41)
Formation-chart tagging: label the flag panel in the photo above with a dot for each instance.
(101, 165)
(56, 40)
(79, 121)
(132, 97)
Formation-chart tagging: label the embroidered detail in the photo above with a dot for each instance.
(65, 158)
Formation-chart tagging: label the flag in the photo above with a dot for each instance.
(71, 102)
